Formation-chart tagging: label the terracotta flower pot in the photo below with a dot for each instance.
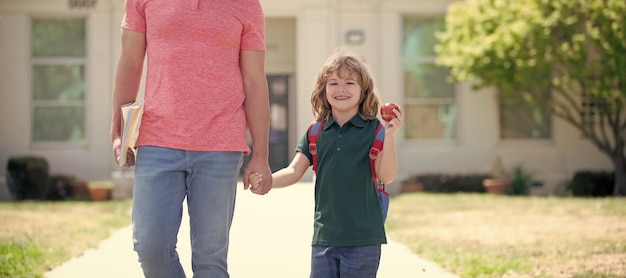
(100, 194)
(496, 186)
(408, 187)
(79, 189)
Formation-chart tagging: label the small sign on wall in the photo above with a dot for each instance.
(82, 4)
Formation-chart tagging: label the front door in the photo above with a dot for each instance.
(279, 122)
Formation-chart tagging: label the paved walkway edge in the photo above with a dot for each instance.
(270, 234)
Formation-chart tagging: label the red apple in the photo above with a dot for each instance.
(386, 111)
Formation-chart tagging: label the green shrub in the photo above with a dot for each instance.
(446, 183)
(28, 178)
(592, 184)
(60, 187)
(521, 182)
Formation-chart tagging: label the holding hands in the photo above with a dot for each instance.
(258, 168)
(260, 180)
(254, 180)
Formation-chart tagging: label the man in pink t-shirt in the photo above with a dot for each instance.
(205, 86)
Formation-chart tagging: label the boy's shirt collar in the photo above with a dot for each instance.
(355, 121)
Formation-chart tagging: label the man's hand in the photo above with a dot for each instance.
(130, 155)
(258, 167)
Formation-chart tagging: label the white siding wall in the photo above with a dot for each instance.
(94, 159)
(320, 26)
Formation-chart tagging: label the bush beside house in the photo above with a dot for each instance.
(446, 183)
(592, 184)
(28, 178)
(582, 184)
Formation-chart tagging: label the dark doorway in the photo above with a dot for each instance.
(279, 122)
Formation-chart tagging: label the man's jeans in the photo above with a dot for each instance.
(345, 262)
(163, 178)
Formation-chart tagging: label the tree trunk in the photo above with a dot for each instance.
(620, 175)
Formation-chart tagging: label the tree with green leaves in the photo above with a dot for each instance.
(573, 51)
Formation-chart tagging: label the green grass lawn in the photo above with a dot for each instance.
(38, 236)
(472, 235)
(483, 235)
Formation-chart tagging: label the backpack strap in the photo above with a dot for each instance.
(314, 132)
(377, 146)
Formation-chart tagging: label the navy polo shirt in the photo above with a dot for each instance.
(347, 212)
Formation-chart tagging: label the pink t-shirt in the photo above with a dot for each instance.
(194, 91)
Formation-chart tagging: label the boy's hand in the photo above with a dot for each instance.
(393, 125)
(261, 166)
(254, 180)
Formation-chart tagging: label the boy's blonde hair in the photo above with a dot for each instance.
(343, 62)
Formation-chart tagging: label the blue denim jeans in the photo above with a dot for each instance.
(163, 178)
(345, 262)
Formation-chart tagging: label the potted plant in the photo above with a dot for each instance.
(521, 181)
(79, 189)
(100, 190)
(500, 179)
(411, 184)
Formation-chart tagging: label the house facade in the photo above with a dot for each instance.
(58, 59)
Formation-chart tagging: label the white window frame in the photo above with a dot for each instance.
(453, 101)
(36, 61)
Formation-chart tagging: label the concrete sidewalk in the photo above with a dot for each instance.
(270, 237)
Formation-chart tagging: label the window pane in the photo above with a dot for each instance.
(58, 38)
(58, 82)
(521, 120)
(58, 124)
(427, 81)
(430, 100)
(419, 37)
(430, 121)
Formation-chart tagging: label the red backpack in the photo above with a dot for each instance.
(383, 196)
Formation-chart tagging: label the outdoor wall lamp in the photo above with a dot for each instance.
(355, 37)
